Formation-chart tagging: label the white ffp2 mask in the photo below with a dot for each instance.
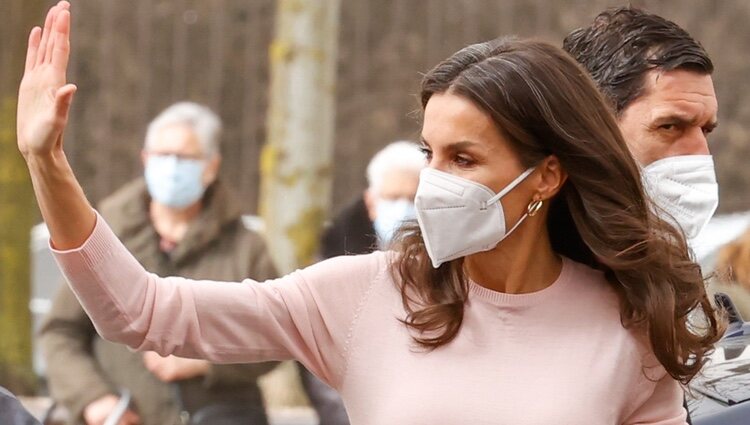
(685, 187)
(459, 217)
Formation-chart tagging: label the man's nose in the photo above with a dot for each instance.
(695, 142)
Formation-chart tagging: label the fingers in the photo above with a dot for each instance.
(50, 38)
(54, 36)
(63, 100)
(42, 50)
(61, 50)
(34, 39)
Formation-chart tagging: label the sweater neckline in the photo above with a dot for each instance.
(527, 299)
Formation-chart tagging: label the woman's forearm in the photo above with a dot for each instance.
(64, 206)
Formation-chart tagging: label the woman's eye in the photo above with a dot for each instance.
(463, 161)
(426, 152)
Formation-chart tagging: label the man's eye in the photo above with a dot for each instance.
(668, 127)
(426, 152)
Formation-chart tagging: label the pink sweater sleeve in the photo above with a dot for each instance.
(308, 315)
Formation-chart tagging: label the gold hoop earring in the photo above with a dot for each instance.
(534, 207)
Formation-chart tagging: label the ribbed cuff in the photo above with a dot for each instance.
(95, 249)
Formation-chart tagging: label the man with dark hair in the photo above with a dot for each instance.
(658, 81)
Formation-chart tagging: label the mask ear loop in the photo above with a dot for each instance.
(508, 188)
(531, 210)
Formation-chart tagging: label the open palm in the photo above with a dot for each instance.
(44, 97)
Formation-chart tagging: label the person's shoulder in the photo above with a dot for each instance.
(598, 299)
(595, 297)
(123, 200)
(372, 264)
(350, 272)
(591, 285)
(244, 234)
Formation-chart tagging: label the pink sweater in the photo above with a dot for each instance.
(557, 356)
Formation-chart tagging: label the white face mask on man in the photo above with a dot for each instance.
(685, 188)
(459, 217)
(390, 216)
(174, 182)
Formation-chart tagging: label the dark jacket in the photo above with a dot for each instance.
(12, 411)
(350, 232)
(81, 367)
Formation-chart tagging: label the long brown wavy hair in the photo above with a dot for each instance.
(545, 104)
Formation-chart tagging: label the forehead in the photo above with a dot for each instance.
(449, 118)
(176, 138)
(399, 183)
(680, 91)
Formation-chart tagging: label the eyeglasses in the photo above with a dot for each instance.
(194, 157)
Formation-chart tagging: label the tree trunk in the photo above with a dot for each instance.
(296, 162)
(17, 211)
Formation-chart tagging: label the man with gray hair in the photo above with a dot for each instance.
(177, 220)
(370, 220)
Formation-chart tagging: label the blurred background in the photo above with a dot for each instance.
(131, 59)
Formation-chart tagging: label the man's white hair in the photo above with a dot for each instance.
(397, 156)
(201, 120)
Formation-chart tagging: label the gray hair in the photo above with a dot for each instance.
(201, 120)
(401, 156)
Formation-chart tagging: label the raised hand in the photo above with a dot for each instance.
(44, 97)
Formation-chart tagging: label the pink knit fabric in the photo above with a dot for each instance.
(557, 356)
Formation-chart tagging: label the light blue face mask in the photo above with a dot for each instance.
(390, 215)
(173, 181)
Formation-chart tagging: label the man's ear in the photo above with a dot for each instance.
(211, 173)
(370, 200)
(552, 177)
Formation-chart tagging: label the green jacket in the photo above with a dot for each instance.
(82, 367)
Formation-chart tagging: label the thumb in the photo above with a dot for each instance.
(63, 100)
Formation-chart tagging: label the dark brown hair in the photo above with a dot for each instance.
(545, 104)
(621, 45)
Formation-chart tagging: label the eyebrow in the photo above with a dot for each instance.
(453, 146)
(685, 119)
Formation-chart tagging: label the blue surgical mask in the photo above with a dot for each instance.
(173, 181)
(390, 215)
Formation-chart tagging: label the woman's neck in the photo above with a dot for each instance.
(170, 223)
(522, 263)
